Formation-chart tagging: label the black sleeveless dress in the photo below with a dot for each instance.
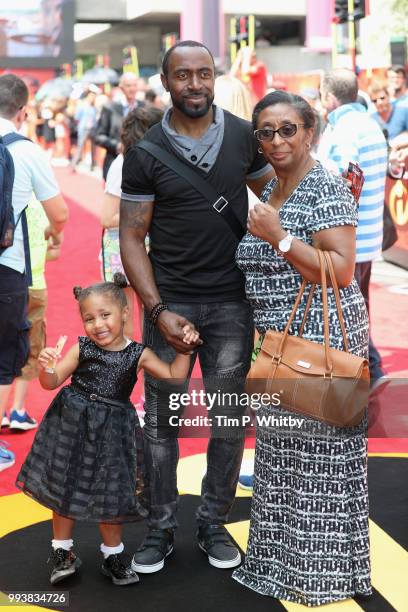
(83, 461)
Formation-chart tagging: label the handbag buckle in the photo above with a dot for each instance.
(220, 204)
(277, 359)
(330, 375)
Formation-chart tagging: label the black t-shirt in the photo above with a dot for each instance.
(192, 249)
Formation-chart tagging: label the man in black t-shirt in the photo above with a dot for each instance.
(190, 276)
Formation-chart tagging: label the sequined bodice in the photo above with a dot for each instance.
(110, 374)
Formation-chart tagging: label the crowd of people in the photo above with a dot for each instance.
(216, 207)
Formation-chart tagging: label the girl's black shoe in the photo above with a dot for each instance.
(65, 563)
(119, 569)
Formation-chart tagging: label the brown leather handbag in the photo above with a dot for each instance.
(311, 378)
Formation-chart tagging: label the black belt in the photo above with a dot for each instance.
(98, 398)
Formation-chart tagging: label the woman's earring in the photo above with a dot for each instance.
(308, 146)
(260, 150)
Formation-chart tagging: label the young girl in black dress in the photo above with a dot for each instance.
(82, 464)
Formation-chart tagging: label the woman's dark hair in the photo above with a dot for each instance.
(154, 115)
(114, 289)
(302, 107)
(150, 95)
(136, 123)
(134, 127)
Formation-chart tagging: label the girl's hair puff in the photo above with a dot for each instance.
(114, 289)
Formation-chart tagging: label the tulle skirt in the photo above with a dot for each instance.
(85, 461)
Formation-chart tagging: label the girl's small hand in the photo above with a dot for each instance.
(191, 336)
(47, 356)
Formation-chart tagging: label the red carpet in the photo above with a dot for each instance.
(79, 265)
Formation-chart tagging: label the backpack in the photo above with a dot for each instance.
(7, 224)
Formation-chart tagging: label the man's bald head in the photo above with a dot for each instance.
(129, 85)
(128, 77)
(342, 84)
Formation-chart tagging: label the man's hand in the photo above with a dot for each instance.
(171, 326)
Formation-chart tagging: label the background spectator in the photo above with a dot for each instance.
(353, 136)
(107, 133)
(391, 117)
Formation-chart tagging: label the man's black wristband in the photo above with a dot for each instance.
(156, 311)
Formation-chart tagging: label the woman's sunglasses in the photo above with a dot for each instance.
(285, 131)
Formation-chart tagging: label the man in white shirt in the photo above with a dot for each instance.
(33, 173)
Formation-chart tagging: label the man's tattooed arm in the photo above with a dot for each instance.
(136, 215)
(134, 223)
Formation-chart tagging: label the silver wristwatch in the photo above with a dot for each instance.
(285, 244)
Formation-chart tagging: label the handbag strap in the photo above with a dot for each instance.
(308, 305)
(218, 203)
(337, 298)
(324, 259)
(336, 292)
(328, 362)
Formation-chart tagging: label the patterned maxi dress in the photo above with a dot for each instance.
(308, 540)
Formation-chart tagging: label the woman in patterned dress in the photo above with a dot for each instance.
(308, 540)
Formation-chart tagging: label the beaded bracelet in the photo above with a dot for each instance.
(156, 311)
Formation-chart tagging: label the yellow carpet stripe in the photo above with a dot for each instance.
(403, 455)
(239, 532)
(18, 511)
(389, 567)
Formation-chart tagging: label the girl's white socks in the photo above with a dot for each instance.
(111, 550)
(65, 544)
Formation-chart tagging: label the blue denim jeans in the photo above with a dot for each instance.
(227, 333)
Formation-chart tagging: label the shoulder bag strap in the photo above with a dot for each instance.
(218, 203)
(7, 140)
(13, 137)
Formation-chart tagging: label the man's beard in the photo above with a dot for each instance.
(194, 113)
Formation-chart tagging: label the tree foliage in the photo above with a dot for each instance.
(399, 11)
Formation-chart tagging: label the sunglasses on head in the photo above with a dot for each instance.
(285, 131)
(375, 100)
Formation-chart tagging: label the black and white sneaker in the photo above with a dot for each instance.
(215, 541)
(65, 563)
(150, 556)
(119, 569)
